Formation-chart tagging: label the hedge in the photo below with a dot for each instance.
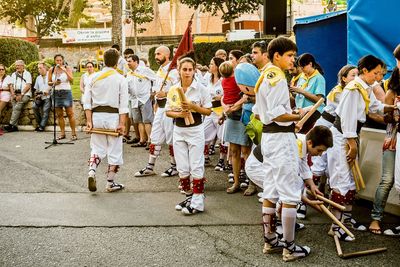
(205, 51)
(12, 49)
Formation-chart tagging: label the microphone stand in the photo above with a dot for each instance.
(55, 142)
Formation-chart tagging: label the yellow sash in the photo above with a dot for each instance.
(302, 153)
(132, 73)
(218, 110)
(295, 79)
(307, 79)
(353, 85)
(273, 74)
(104, 75)
(338, 89)
(386, 85)
(161, 74)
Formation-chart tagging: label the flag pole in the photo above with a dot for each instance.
(170, 67)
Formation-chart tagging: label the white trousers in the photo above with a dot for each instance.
(105, 145)
(340, 176)
(320, 163)
(162, 128)
(397, 165)
(281, 164)
(255, 170)
(212, 129)
(188, 149)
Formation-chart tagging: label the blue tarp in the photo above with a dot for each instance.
(325, 37)
(373, 28)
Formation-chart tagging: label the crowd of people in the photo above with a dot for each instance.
(248, 106)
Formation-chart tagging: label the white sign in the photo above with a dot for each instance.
(86, 36)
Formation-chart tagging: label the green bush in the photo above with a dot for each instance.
(13, 49)
(204, 52)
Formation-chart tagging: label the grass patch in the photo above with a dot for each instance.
(76, 92)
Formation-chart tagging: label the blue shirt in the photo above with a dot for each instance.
(316, 86)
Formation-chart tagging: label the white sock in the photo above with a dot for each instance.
(288, 223)
(267, 226)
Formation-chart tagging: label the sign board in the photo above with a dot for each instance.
(75, 36)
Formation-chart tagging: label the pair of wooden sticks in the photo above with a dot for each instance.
(189, 119)
(358, 179)
(110, 132)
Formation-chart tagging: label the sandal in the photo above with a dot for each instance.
(233, 189)
(375, 228)
(60, 137)
(74, 137)
(139, 144)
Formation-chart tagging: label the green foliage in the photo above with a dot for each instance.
(32, 67)
(13, 49)
(75, 87)
(231, 9)
(141, 11)
(48, 16)
(204, 52)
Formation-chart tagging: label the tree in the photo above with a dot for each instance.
(47, 16)
(116, 24)
(231, 9)
(141, 11)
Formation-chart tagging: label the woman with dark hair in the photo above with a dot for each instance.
(189, 139)
(356, 102)
(234, 56)
(212, 128)
(60, 77)
(5, 88)
(310, 88)
(86, 77)
(389, 158)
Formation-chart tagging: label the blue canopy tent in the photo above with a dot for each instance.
(373, 28)
(325, 37)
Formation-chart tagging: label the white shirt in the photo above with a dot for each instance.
(173, 78)
(63, 77)
(196, 93)
(304, 170)
(215, 89)
(139, 85)
(111, 91)
(19, 81)
(352, 108)
(272, 101)
(122, 66)
(7, 81)
(41, 85)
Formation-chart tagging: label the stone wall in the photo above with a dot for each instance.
(28, 118)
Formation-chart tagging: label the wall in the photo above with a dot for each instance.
(28, 118)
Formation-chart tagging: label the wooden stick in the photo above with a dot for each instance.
(363, 253)
(188, 120)
(355, 177)
(103, 131)
(328, 201)
(338, 246)
(335, 220)
(360, 178)
(300, 123)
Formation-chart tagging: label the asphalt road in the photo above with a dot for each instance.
(48, 217)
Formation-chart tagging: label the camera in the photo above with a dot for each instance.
(17, 92)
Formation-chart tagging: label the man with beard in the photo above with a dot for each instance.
(162, 128)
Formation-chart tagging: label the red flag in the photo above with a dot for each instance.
(185, 46)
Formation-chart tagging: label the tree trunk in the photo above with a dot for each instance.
(173, 15)
(116, 13)
(135, 37)
(157, 20)
(232, 25)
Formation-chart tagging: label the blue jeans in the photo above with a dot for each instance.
(41, 119)
(385, 185)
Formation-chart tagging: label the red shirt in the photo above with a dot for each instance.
(231, 91)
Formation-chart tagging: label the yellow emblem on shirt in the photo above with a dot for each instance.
(273, 74)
